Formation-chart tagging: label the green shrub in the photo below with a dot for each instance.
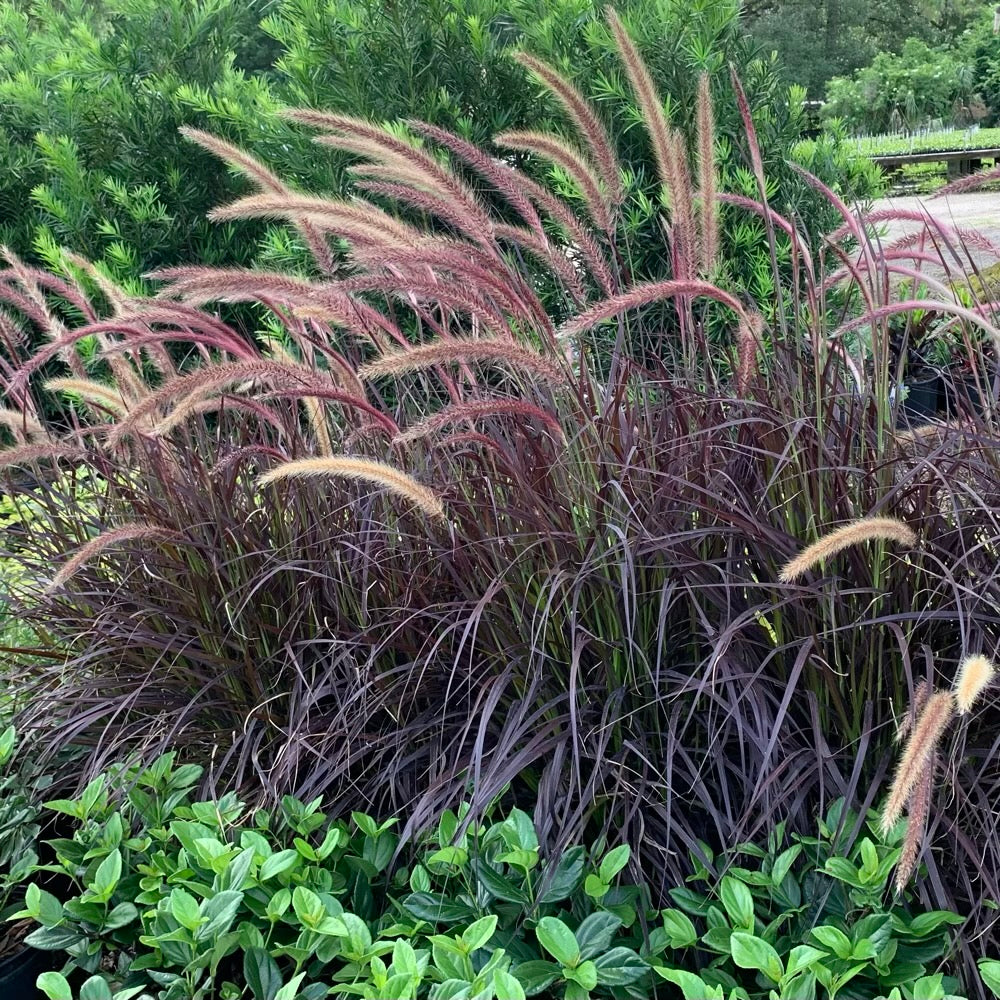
(90, 155)
(91, 158)
(22, 785)
(181, 898)
(898, 91)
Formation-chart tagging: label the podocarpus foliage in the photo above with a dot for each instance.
(597, 620)
(89, 89)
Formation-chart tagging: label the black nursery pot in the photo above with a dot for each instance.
(963, 393)
(19, 971)
(923, 401)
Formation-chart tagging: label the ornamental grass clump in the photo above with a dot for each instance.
(429, 535)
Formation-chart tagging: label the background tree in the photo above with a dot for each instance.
(826, 38)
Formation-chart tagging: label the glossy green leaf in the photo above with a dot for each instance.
(751, 952)
(558, 940)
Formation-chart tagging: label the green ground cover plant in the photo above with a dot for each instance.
(441, 529)
(175, 897)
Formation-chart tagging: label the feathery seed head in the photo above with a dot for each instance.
(452, 351)
(107, 539)
(585, 119)
(920, 804)
(398, 483)
(922, 744)
(477, 409)
(974, 674)
(863, 530)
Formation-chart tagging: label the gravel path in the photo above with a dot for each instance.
(977, 210)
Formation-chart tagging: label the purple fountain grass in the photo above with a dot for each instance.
(95, 394)
(920, 748)
(921, 692)
(771, 216)
(267, 181)
(590, 623)
(247, 165)
(916, 822)
(750, 134)
(684, 242)
(646, 294)
(199, 285)
(563, 155)
(467, 268)
(949, 235)
(552, 257)
(515, 356)
(588, 124)
(749, 340)
(505, 179)
(24, 426)
(401, 161)
(329, 300)
(355, 220)
(707, 175)
(397, 483)
(975, 674)
(970, 183)
(349, 401)
(973, 315)
(889, 529)
(594, 258)
(646, 96)
(136, 334)
(214, 377)
(104, 541)
(116, 297)
(460, 298)
(439, 206)
(30, 454)
(198, 404)
(466, 438)
(478, 409)
(850, 218)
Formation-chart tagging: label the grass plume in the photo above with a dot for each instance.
(586, 120)
(920, 747)
(974, 675)
(93, 393)
(916, 821)
(646, 96)
(865, 529)
(365, 470)
(707, 175)
(563, 155)
(105, 540)
(518, 358)
(478, 409)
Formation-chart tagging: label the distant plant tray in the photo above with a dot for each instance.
(956, 141)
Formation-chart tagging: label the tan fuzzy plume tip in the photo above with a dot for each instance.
(97, 545)
(920, 748)
(427, 355)
(974, 674)
(366, 470)
(916, 821)
(864, 530)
